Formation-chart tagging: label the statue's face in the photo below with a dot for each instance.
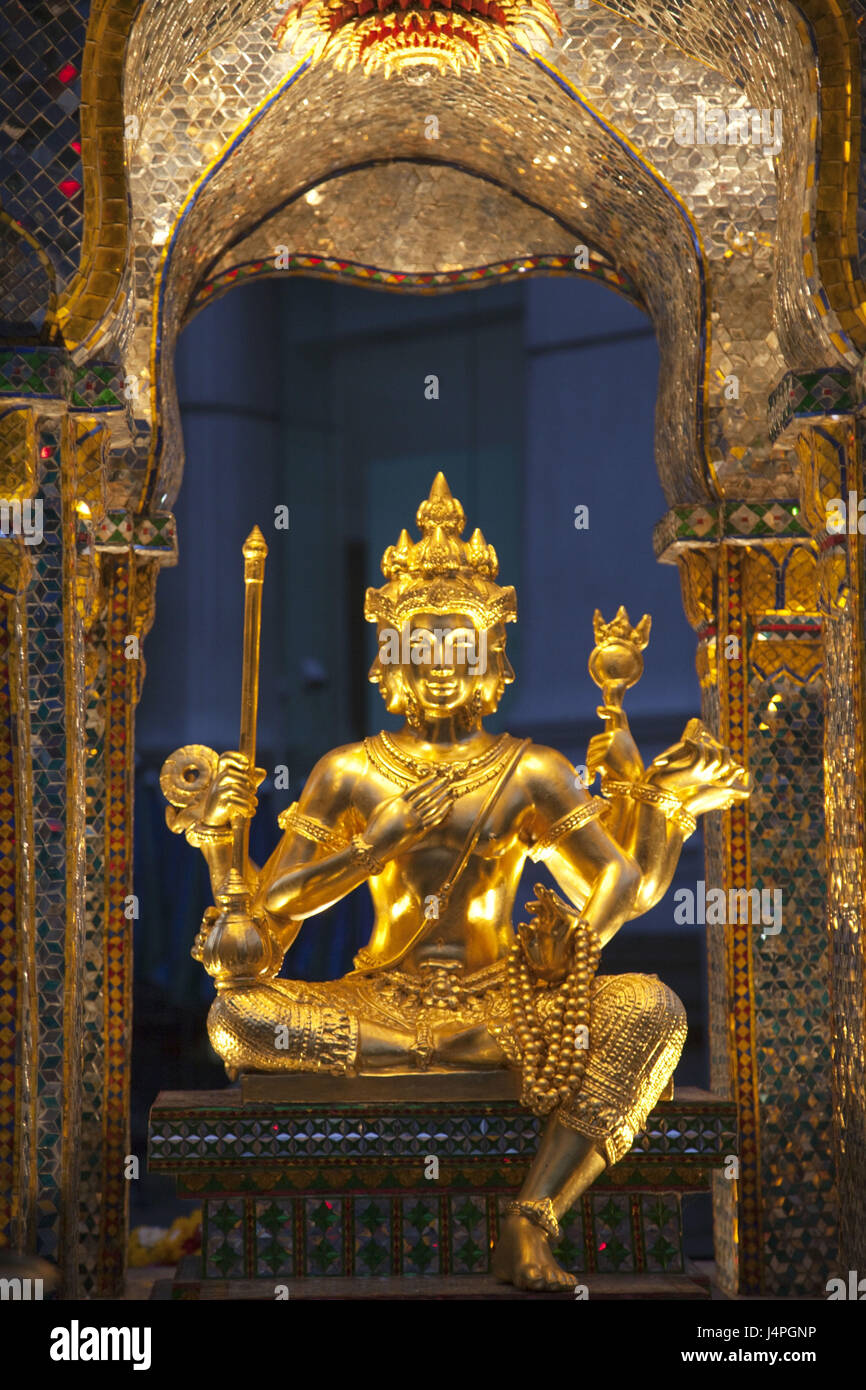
(444, 659)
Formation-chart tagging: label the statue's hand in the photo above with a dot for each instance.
(731, 785)
(401, 821)
(700, 771)
(211, 915)
(547, 940)
(617, 753)
(232, 796)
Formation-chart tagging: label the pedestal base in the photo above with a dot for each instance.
(693, 1285)
(398, 1178)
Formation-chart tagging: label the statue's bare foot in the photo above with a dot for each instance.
(522, 1257)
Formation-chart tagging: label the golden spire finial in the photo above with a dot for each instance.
(441, 509)
(482, 556)
(255, 544)
(255, 552)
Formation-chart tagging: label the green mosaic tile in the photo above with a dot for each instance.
(373, 1235)
(792, 984)
(469, 1241)
(569, 1251)
(614, 1252)
(827, 391)
(274, 1238)
(223, 1246)
(661, 1220)
(420, 1236)
(188, 1140)
(40, 372)
(154, 534)
(98, 386)
(695, 524)
(324, 1236)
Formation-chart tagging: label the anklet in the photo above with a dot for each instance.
(540, 1213)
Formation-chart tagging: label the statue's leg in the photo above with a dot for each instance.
(637, 1032)
(289, 1025)
(284, 1025)
(466, 1047)
(567, 1163)
(381, 1047)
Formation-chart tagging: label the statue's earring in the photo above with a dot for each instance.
(414, 713)
(469, 716)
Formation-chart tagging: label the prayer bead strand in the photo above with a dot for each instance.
(553, 1062)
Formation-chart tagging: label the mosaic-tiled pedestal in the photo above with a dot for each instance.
(333, 1181)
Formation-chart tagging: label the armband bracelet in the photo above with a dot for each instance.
(670, 806)
(596, 806)
(201, 835)
(311, 829)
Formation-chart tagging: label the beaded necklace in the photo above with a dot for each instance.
(459, 777)
(556, 1077)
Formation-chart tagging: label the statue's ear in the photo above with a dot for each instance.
(642, 631)
(392, 688)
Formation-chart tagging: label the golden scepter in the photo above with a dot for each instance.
(239, 949)
(615, 664)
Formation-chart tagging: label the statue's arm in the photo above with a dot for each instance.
(596, 873)
(653, 841)
(325, 800)
(654, 809)
(316, 862)
(321, 857)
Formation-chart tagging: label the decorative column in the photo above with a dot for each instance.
(71, 597)
(750, 585)
(129, 552)
(821, 413)
(54, 691)
(18, 1008)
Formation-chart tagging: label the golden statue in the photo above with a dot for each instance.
(438, 819)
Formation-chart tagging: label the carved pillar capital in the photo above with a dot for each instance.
(776, 557)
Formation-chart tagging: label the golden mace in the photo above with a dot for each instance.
(255, 553)
(239, 949)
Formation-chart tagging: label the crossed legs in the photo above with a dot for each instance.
(637, 1032)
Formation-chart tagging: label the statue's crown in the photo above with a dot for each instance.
(440, 573)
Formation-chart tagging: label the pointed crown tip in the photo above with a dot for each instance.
(439, 487)
(255, 544)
